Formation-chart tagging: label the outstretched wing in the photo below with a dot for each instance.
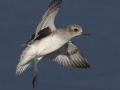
(41, 34)
(46, 26)
(69, 55)
(49, 16)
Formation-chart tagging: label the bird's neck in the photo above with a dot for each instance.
(63, 34)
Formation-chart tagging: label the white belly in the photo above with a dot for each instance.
(48, 45)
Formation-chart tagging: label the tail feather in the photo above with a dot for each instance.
(25, 59)
(21, 69)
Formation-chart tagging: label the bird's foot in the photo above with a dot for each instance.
(35, 78)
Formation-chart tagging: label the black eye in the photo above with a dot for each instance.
(75, 29)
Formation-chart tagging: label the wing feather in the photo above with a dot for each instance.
(46, 25)
(69, 55)
(49, 16)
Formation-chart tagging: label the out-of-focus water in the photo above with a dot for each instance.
(101, 18)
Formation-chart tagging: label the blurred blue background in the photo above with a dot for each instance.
(101, 18)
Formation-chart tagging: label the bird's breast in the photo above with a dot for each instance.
(49, 44)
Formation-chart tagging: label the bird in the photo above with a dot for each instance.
(53, 43)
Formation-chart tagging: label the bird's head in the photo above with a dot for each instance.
(76, 30)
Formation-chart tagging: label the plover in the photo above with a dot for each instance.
(51, 42)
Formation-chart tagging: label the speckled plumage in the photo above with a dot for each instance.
(50, 42)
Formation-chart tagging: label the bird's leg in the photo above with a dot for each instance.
(35, 79)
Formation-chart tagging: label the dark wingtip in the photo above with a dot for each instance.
(88, 66)
(88, 34)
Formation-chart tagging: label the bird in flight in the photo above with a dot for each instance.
(54, 43)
